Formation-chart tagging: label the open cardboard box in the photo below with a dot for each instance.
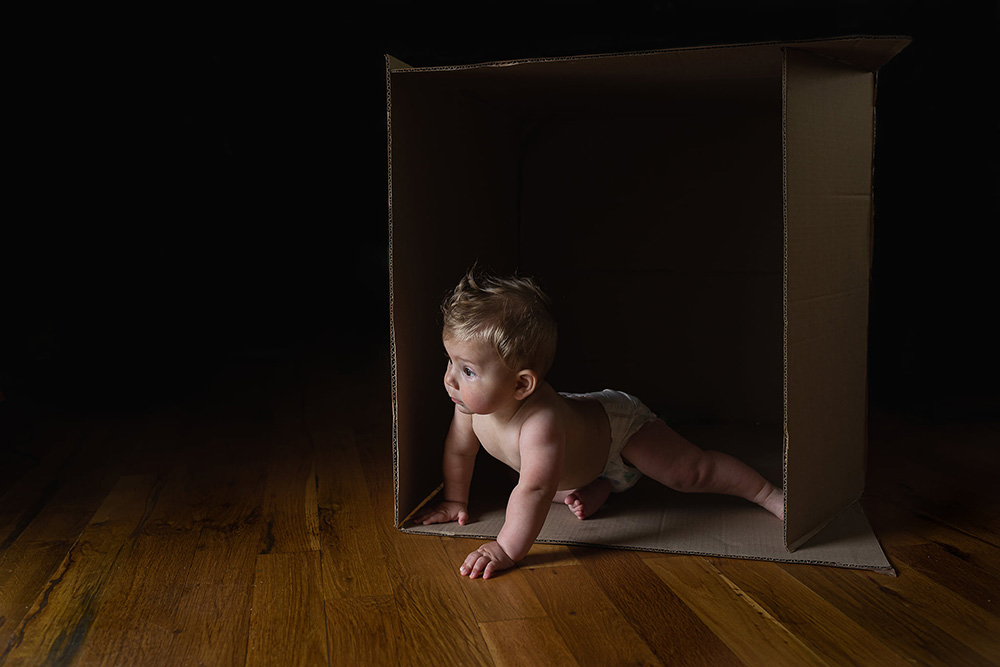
(702, 218)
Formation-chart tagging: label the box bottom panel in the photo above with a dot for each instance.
(650, 517)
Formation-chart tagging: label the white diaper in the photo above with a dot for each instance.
(627, 415)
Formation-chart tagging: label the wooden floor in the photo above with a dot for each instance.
(250, 523)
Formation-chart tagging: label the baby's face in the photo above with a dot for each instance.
(476, 379)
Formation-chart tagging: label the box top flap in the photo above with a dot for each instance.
(392, 63)
(868, 53)
(863, 51)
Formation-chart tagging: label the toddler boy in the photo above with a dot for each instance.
(500, 339)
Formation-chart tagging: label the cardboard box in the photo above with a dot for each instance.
(702, 218)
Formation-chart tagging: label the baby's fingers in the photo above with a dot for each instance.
(473, 565)
(435, 517)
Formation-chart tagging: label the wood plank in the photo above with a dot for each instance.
(364, 631)
(40, 538)
(954, 569)
(965, 564)
(526, 642)
(548, 555)
(944, 473)
(291, 509)
(134, 620)
(31, 494)
(940, 607)
(60, 617)
(436, 622)
(30, 440)
(906, 613)
(288, 621)
(816, 623)
(753, 635)
(353, 564)
(212, 623)
(589, 623)
(25, 573)
(434, 614)
(508, 595)
(671, 629)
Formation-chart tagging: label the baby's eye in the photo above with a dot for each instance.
(468, 372)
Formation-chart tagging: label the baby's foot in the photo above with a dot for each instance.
(774, 502)
(583, 502)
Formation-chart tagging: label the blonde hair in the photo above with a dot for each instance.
(512, 314)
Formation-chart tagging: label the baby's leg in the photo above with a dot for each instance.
(661, 453)
(586, 500)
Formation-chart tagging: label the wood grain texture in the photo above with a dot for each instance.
(820, 626)
(363, 631)
(525, 642)
(288, 618)
(253, 524)
(591, 626)
(61, 615)
(751, 633)
(671, 629)
(511, 597)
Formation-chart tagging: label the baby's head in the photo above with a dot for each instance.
(511, 315)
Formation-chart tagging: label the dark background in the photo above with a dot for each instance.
(199, 190)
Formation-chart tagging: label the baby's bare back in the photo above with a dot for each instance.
(582, 420)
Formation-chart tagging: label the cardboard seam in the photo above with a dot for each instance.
(832, 296)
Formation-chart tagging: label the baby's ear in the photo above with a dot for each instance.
(527, 383)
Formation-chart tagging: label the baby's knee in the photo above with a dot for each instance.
(695, 473)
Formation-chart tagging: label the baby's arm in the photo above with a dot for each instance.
(541, 448)
(460, 448)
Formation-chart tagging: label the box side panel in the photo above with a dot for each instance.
(828, 124)
(453, 202)
(659, 237)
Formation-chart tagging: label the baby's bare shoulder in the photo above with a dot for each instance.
(546, 419)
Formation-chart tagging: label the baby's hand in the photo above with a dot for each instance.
(443, 512)
(487, 559)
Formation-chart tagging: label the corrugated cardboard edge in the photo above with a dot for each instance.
(784, 290)
(391, 64)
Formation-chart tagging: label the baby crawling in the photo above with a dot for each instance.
(577, 449)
